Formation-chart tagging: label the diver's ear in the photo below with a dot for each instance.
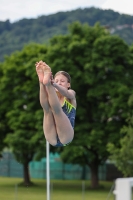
(68, 85)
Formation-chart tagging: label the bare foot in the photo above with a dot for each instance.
(47, 74)
(40, 72)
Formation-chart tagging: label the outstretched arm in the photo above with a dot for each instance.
(70, 94)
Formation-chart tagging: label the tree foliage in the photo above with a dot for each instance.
(122, 153)
(122, 156)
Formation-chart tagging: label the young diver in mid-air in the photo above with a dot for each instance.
(59, 105)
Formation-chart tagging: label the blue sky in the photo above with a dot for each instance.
(15, 10)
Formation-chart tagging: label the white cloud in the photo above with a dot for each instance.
(121, 6)
(18, 9)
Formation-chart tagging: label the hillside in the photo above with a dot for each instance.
(13, 36)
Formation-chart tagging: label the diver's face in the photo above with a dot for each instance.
(62, 80)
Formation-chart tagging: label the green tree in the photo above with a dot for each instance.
(2, 114)
(20, 105)
(102, 78)
(122, 153)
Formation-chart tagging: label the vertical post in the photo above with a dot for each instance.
(83, 190)
(48, 170)
(16, 192)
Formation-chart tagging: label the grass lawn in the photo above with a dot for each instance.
(60, 190)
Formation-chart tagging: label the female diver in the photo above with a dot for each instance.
(59, 105)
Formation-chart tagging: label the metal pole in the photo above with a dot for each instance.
(48, 170)
(16, 192)
(83, 190)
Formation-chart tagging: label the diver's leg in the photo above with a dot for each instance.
(48, 121)
(63, 126)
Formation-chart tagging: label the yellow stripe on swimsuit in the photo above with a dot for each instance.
(70, 111)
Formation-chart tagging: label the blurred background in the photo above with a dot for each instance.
(93, 42)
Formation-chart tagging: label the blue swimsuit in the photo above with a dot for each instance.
(70, 111)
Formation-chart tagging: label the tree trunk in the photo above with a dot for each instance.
(94, 175)
(26, 174)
